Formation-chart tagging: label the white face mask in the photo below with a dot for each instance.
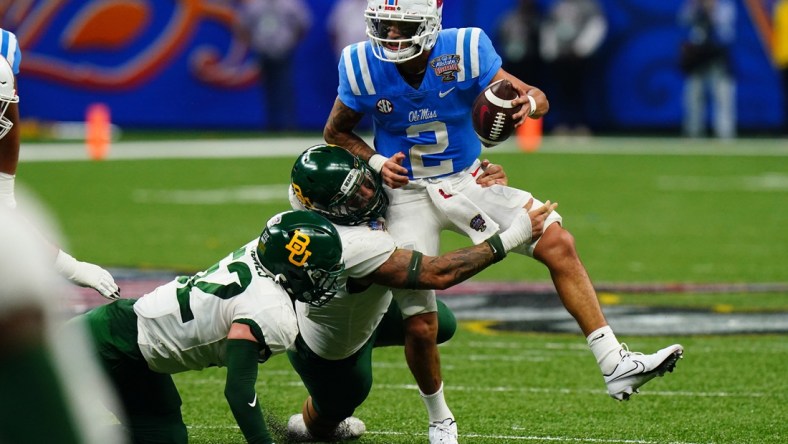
(418, 23)
(7, 95)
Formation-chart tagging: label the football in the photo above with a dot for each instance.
(492, 113)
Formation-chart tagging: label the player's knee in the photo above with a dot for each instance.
(447, 323)
(320, 423)
(422, 327)
(555, 245)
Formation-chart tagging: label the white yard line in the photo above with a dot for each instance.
(291, 147)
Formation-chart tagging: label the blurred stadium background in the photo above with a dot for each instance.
(175, 64)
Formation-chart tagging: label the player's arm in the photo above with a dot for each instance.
(411, 269)
(339, 131)
(243, 352)
(533, 109)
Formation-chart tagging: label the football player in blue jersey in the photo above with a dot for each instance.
(418, 82)
(84, 274)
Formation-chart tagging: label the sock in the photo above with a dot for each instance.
(436, 405)
(605, 347)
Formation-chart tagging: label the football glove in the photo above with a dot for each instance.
(86, 274)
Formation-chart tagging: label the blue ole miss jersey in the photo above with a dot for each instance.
(431, 124)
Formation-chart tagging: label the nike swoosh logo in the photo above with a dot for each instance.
(637, 367)
(254, 401)
(601, 335)
(3, 82)
(443, 94)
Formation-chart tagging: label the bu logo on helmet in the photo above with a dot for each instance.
(305, 201)
(297, 247)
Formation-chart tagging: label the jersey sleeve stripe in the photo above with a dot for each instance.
(9, 48)
(474, 49)
(365, 75)
(461, 52)
(351, 75)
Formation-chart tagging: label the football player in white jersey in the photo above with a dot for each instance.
(418, 82)
(235, 314)
(84, 274)
(333, 353)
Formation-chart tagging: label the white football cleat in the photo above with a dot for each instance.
(636, 369)
(349, 429)
(443, 432)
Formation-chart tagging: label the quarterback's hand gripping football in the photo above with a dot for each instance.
(86, 274)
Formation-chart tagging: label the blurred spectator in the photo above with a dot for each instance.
(51, 389)
(780, 51)
(705, 60)
(346, 25)
(572, 32)
(273, 29)
(518, 35)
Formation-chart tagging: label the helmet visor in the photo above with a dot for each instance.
(401, 28)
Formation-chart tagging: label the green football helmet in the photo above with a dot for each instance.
(303, 251)
(337, 184)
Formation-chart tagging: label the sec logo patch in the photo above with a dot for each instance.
(384, 106)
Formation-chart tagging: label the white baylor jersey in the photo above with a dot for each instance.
(183, 325)
(342, 326)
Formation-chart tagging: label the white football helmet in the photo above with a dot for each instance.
(418, 20)
(7, 95)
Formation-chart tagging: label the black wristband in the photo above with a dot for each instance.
(414, 268)
(497, 247)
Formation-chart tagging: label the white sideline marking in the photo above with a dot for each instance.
(506, 438)
(766, 181)
(291, 147)
(243, 194)
(553, 391)
(505, 389)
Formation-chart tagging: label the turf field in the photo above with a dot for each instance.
(650, 216)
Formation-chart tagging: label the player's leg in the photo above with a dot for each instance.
(336, 388)
(151, 403)
(694, 106)
(556, 249)
(391, 330)
(416, 224)
(33, 406)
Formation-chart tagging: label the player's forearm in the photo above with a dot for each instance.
(441, 272)
(339, 130)
(349, 141)
(239, 390)
(410, 269)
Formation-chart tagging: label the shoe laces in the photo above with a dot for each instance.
(444, 426)
(625, 352)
